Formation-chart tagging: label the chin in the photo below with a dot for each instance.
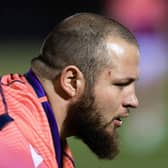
(102, 143)
(86, 119)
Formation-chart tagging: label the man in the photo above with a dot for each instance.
(82, 84)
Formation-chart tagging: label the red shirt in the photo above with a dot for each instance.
(25, 135)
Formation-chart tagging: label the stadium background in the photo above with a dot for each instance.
(22, 31)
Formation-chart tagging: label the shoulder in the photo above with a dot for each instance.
(17, 94)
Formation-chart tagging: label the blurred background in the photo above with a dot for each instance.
(144, 136)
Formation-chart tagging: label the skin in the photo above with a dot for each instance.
(91, 115)
(115, 86)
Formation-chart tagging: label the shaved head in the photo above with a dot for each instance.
(79, 40)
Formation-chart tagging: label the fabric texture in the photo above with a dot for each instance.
(25, 134)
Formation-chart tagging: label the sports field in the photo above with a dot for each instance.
(143, 151)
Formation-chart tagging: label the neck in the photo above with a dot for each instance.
(59, 104)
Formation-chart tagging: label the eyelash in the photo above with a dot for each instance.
(122, 84)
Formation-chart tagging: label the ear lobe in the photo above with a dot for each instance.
(72, 81)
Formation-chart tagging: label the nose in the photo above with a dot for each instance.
(131, 101)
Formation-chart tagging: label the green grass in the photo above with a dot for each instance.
(16, 56)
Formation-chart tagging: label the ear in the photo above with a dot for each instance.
(72, 81)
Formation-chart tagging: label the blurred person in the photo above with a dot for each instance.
(147, 19)
(139, 15)
(82, 84)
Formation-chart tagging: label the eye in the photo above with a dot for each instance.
(122, 84)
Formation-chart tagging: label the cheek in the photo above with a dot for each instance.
(108, 100)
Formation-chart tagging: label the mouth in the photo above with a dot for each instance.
(117, 122)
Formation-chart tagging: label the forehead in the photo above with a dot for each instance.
(123, 57)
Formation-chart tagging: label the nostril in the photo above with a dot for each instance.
(131, 102)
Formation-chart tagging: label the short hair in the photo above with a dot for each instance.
(79, 40)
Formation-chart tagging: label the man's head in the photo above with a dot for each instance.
(95, 63)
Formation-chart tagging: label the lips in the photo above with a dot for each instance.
(117, 120)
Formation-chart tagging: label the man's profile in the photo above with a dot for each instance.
(81, 84)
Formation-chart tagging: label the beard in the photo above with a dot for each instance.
(86, 123)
